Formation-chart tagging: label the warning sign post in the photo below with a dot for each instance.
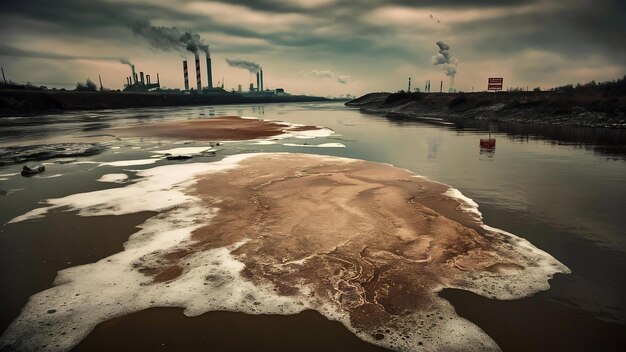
(495, 84)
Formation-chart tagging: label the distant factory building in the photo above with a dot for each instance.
(141, 83)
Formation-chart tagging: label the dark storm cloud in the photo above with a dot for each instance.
(583, 30)
(333, 31)
(286, 6)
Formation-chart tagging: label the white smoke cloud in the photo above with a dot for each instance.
(126, 62)
(343, 79)
(444, 58)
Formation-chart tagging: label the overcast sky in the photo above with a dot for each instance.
(323, 47)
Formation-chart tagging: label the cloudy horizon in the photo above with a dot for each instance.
(321, 47)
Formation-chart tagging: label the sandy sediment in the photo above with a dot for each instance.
(222, 128)
(367, 239)
(364, 243)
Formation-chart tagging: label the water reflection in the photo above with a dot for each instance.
(604, 141)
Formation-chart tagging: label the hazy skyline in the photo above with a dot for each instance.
(322, 47)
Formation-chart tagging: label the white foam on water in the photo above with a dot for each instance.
(310, 134)
(50, 176)
(157, 190)
(83, 296)
(466, 204)
(130, 162)
(84, 162)
(323, 145)
(114, 178)
(519, 283)
(4, 177)
(287, 133)
(264, 142)
(186, 151)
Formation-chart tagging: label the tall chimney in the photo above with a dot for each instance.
(261, 80)
(198, 79)
(441, 87)
(132, 67)
(186, 74)
(258, 81)
(141, 75)
(409, 85)
(209, 71)
(158, 80)
(148, 79)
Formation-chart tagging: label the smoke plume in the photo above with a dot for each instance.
(245, 64)
(126, 62)
(444, 58)
(343, 79)
(169, 38)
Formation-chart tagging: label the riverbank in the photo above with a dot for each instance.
(553, 108)
(25, 102)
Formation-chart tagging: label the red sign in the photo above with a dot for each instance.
(495, 84)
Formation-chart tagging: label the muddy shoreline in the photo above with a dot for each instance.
(543, 108)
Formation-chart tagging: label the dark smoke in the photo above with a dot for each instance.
(169, 38)
(245, 64)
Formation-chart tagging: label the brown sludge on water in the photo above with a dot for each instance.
(223, 128)
(371, 240)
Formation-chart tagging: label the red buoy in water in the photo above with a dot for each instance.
(489, 143)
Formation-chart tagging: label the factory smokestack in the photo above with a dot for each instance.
(132, 67)
(198, 79)
(141, 75)
(261, 80)
(209, 73)
(186, 74)
(258, 81)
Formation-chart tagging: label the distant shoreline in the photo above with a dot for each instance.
(32, 102)
(552, 108)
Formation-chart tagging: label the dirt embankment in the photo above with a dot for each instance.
(25, 102)
(524, 107)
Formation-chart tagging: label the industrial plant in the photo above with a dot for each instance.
(138, 84)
